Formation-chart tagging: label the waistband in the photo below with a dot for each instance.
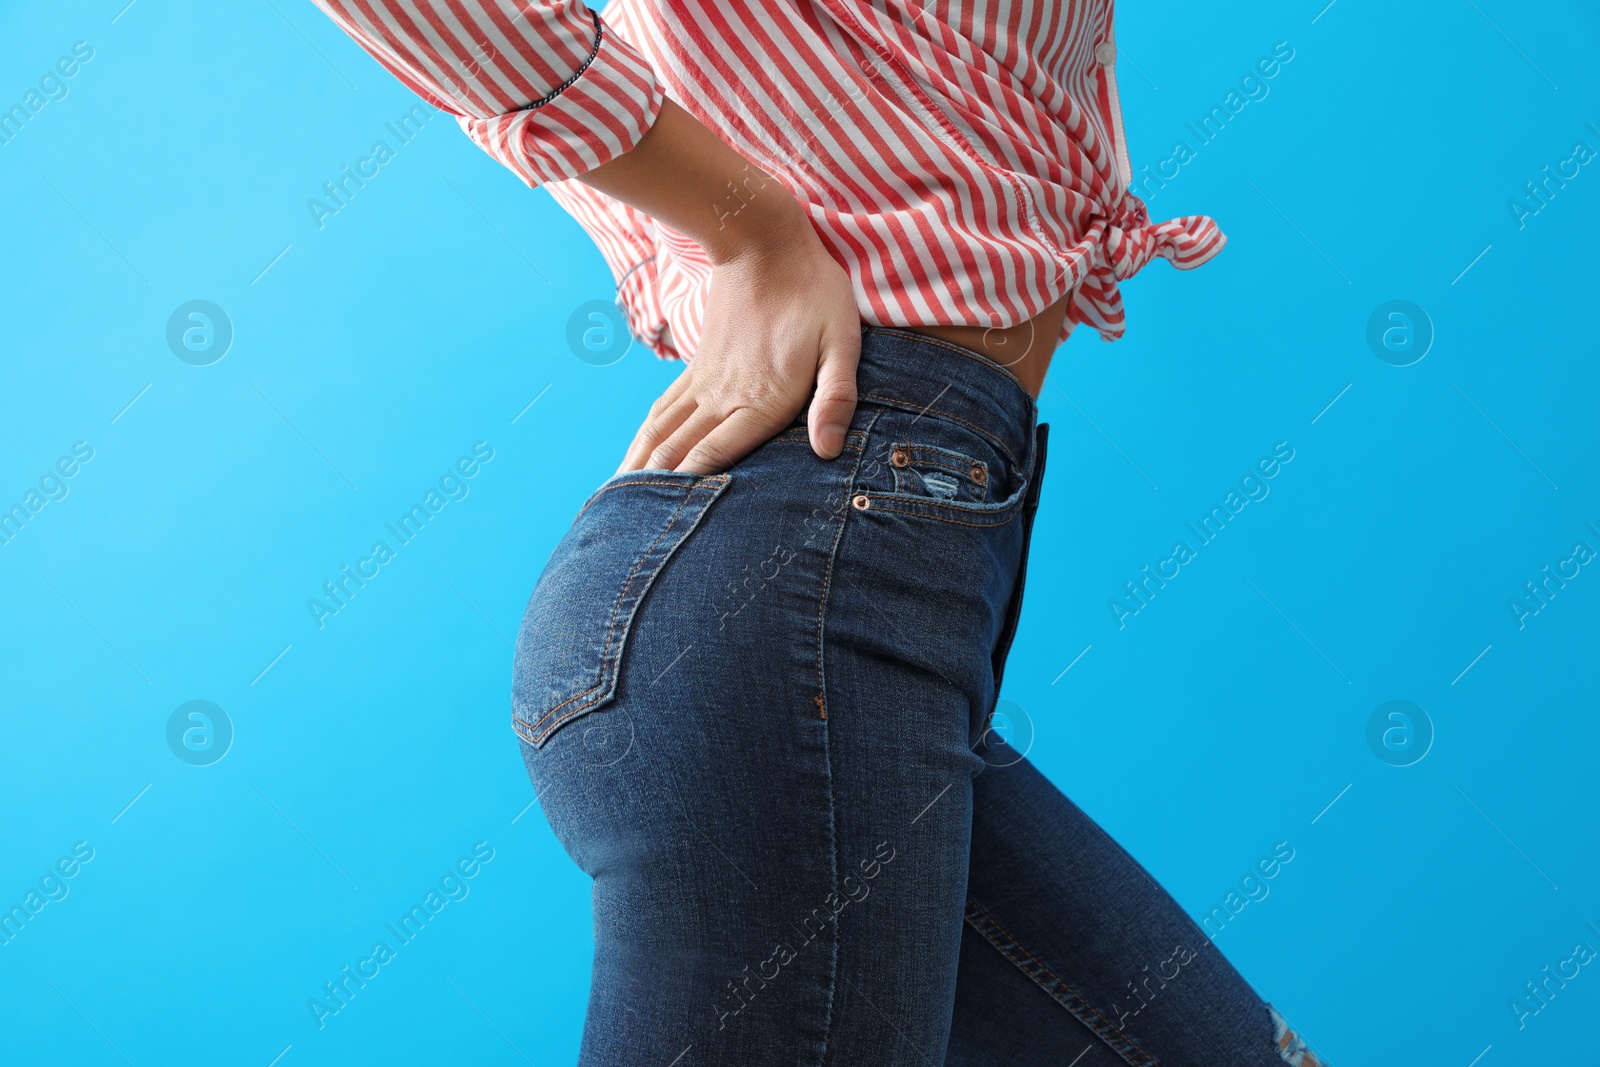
(915, 371)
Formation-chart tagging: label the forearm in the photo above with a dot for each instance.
(686, 177)
(563, 97)
(545, 88)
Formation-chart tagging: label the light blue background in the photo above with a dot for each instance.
(1224, 718)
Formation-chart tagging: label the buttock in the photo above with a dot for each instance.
(749, 701)
(918, 520)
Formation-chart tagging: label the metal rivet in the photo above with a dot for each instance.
(899, 457)
(860, 502)
(979, 475)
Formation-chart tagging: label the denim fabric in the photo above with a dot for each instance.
(755, 709)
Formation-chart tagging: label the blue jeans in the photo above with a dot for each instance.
(755, 707)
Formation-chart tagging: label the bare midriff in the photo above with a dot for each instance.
(1024, 349)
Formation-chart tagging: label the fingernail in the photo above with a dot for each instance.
(830, 441)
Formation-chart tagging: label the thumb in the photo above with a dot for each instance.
(834, 402)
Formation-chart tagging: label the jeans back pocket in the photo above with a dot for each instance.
(576, 627)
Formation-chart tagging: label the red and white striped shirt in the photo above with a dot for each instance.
(963, 159)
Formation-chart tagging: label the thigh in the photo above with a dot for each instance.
(917, 606)
(1072, 948)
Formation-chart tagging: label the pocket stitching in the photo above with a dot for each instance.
(1001, 510)
(853, 438)
(640, 481)
(999, 444)
(543, 727)
(1001, 516)
(608, 663)
(936, 456)
(914, 464)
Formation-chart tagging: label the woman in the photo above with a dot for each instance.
(754, 683)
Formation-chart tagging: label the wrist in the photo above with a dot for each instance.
(687, 178)
(755, 215)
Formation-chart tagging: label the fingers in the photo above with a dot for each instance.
(667, 414)
(702, 433)
(834, 402)
(750, 378)
(729, 441)
(668, 454)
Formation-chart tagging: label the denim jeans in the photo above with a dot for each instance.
(756, 709)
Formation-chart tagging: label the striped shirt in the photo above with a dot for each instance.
(962, 159)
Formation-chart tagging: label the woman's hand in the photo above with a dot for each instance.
(780, 315)
(780, 318)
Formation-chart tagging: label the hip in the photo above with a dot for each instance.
(907, 549)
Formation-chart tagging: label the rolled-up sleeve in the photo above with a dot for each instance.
(543, 86)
